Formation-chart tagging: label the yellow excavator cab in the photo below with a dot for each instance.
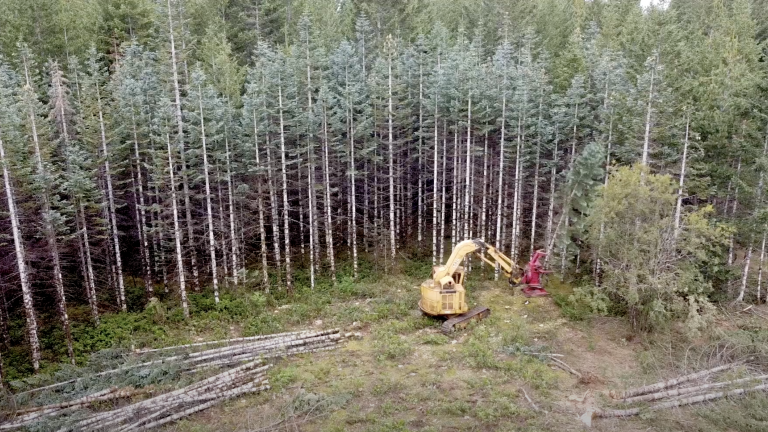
(444, 295)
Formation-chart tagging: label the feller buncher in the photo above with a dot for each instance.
(444, 295)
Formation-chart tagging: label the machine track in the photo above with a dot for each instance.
(461, 321)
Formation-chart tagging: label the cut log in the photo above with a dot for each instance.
(689, 390)
(678, 403)
(670, 383)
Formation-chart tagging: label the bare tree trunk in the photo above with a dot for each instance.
(177, 230)
(49, 228)
(442, 192)
(745, 273)
(647, 136)
(286, 228)
(142, 220)
(180, 138)
(552, 185)
(435, 176)
(420, 200)
(501, 169)
(231, 200)
(353, 192)
(390, 113)
(484, 211)
(222, 229)
(26, 289)
(760, 268)
(733, 211)
(112, 213)
(327, 189)
(517, 193)
(535, 199)
(312, 226)
(85, 257)
(208, 206)
(273, 208)
(679, 205)
(260, 204)
(455, 193)
(467, 167)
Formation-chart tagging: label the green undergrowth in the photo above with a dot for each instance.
(246, 310)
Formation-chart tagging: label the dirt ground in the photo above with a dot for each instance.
(403, 375)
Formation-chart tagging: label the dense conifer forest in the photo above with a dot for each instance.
(161, 148)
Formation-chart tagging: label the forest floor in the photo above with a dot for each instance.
(404, 375)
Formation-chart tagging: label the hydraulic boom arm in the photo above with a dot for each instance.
(494, 257)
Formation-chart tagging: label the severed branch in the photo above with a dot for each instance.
(564, 366)
(530, 401)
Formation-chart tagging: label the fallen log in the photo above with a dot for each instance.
(678, 403)
(689, 390)
(85, 399)
(186, 358)
(223, 341)
(670, 383)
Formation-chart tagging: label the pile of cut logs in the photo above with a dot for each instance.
(674, 393)
(238, 379)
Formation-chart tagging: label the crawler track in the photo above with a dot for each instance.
(461, 321)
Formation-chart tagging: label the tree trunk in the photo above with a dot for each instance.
(455, 192)
(273, 208)
(390, 113)
(745, 273)
(231, 201)
(49, 228)
(352, 192)
(26, 289)
(144, 245)
(85, 257)
(420, 200)
(312, 226)
(442, 192)
(499, 209)
(222, 229)
(484, 211)
(286, 227)
(327, 189)
(647, 136)
(260, 205)
(208, 207)
(733, 211)
(517, 192)
(435, 177)
(180, 139)
(467, 167)
(679, 205)
(177, 230)
(552, 188)
(760, 268)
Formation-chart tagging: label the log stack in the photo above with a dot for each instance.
(242, 359)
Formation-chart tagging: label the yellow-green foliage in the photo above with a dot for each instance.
(652, 270)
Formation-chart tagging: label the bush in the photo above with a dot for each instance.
(583, 302)
(651, 268)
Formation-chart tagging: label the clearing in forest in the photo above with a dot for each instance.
(403, 374)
